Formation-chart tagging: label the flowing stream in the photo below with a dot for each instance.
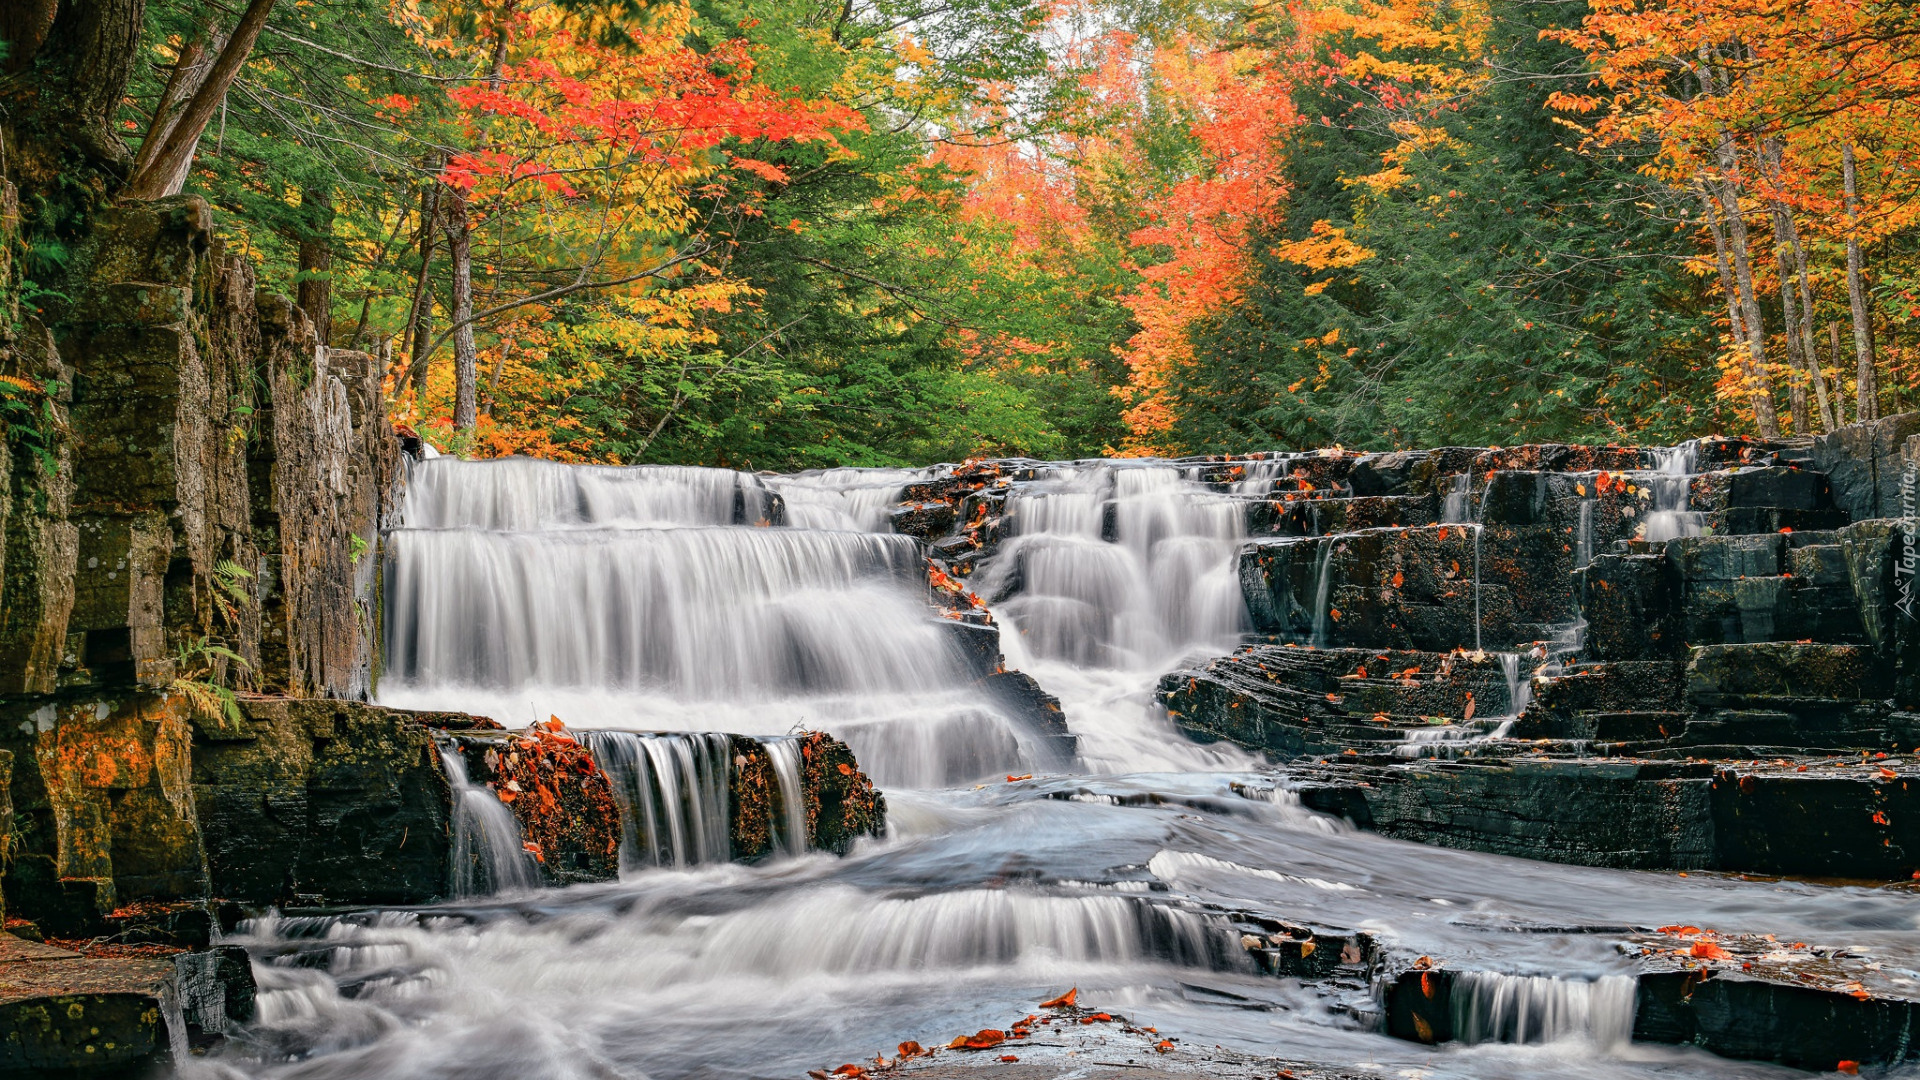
(654, 605)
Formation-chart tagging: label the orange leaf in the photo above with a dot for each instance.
(1398, 578)
(1851, 1068)
(911, 1049)
(984, 1039)
(845, 769)
(1707, 950)
(1008, 1057)
(1064, 1001)
(1165, 1046)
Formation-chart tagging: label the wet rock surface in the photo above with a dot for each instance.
(1072, 1040)
(104, 1010)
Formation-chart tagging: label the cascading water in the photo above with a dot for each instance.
(1322, 589)
(1492, 1007)
(1672, 484)
(1114, 573)
(1457, 506)
(672, 790)
(855, 500)
(625, 599)
(488, 855)
(649, 608)
(790, 829)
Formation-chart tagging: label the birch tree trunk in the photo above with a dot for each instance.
(1866, 390)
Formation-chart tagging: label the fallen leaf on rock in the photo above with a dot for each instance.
(1009, 1057)
(1851, 1068)
(1707, 950)
(1096, 1018)
(1398, 579)
(1064, 1001)
(1013, 779)
(984, 1039)
(1165, 1046)
(911, 1049)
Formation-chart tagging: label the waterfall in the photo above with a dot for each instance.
(791, 823)
(1457, 507)
(1519, 686)
(673, 794)
(1672, 486)
(488, 855)
(852, 500)
(526, 493)
(1322, 588)
(1257, 477)
(645, 599)
(711, 612)
(1108, 576)
(1161, 582)
(1491, 1007)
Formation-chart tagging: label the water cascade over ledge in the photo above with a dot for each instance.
(689, 624)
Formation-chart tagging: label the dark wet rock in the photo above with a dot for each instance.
(107, 1012)
(1022, 697)
(842, 805)
(1832, 819)
(326, 803)
(1383, 588)
(1611, 702)
(1865, 465)
(926, 521)
(1627, 600)
(1623, 814)
(1392, 474)
(1289, 702)
(840, 802)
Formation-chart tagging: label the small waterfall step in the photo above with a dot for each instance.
(586, 806)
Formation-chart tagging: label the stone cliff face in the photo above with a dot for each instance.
(206, 467)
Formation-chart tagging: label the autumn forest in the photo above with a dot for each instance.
(799, 233)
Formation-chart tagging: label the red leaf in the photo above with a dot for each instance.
(1064, 1001)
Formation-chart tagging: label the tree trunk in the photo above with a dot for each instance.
(166, 171)
(189, 74)
(1840, 385)
(1822, 400)
(23, 26)
(1760, 386)
(316, 262)
(420, 315)
(465, 361)
(73, 70)
(1866, 392)
(1796, 362)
